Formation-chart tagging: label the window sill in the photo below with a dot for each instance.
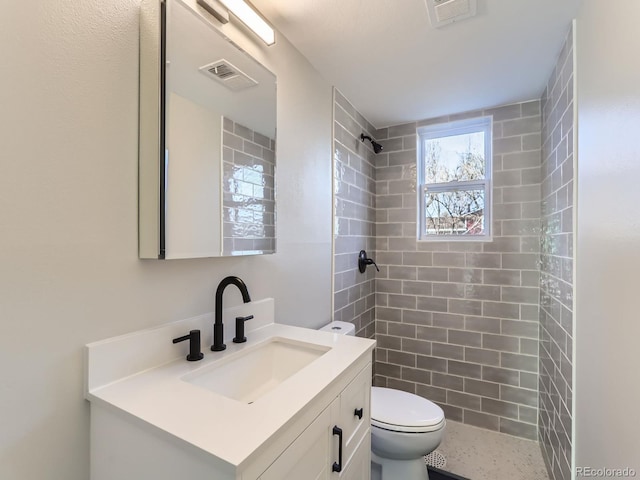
(456, 239)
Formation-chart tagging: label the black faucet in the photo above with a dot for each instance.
(218, 333)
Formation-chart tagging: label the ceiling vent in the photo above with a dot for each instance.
(444, 12)
(229, 75)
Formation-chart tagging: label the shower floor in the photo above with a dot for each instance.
(479, 454)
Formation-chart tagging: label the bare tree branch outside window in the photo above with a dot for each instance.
(455, 211)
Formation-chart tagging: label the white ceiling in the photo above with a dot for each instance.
(193, 43)
(388, 60)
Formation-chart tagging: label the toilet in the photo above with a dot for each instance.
(404, 427)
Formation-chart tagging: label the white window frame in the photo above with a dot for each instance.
(460, 127)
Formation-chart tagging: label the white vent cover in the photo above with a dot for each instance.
(228, 75)
(444, 12)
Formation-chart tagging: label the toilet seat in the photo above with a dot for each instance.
(400, 411)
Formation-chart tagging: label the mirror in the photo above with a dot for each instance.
(207, 139)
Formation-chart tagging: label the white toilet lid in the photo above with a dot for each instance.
(404, 412)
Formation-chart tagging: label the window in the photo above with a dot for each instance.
(454, 176)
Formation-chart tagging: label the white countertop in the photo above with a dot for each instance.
(228, 429)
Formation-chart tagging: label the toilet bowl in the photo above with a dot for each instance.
(404, 427)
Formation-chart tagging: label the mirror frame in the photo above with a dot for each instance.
(151, 170)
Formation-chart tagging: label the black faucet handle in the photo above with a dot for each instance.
(240, 338)
(363, 262)
(194, 345)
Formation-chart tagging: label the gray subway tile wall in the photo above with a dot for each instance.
(248, 201)
(354, 219)
(556, 276)
(456, 322)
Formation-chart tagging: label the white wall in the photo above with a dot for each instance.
(607, 386)
(69, 272)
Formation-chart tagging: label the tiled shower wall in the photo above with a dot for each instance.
(354, 219)
(556, 293)
(457, 322)
(248, 202)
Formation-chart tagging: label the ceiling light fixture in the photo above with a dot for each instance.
(252, 19)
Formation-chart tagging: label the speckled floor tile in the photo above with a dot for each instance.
(479, 454)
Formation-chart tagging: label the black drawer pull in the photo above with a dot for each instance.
(358, 413)
(337, 466)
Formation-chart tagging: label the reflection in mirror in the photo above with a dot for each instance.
(216, 175)
(248, 190)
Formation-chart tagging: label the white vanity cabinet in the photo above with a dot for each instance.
(123, 449)
(316, 452)
(151, 420)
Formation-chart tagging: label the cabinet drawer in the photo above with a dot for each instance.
(359, 467)
(355, 399)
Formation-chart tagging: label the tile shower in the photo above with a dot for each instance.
(482, 329)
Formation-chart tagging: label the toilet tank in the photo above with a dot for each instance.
(342, 328)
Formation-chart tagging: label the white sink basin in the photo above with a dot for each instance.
(247, 375)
